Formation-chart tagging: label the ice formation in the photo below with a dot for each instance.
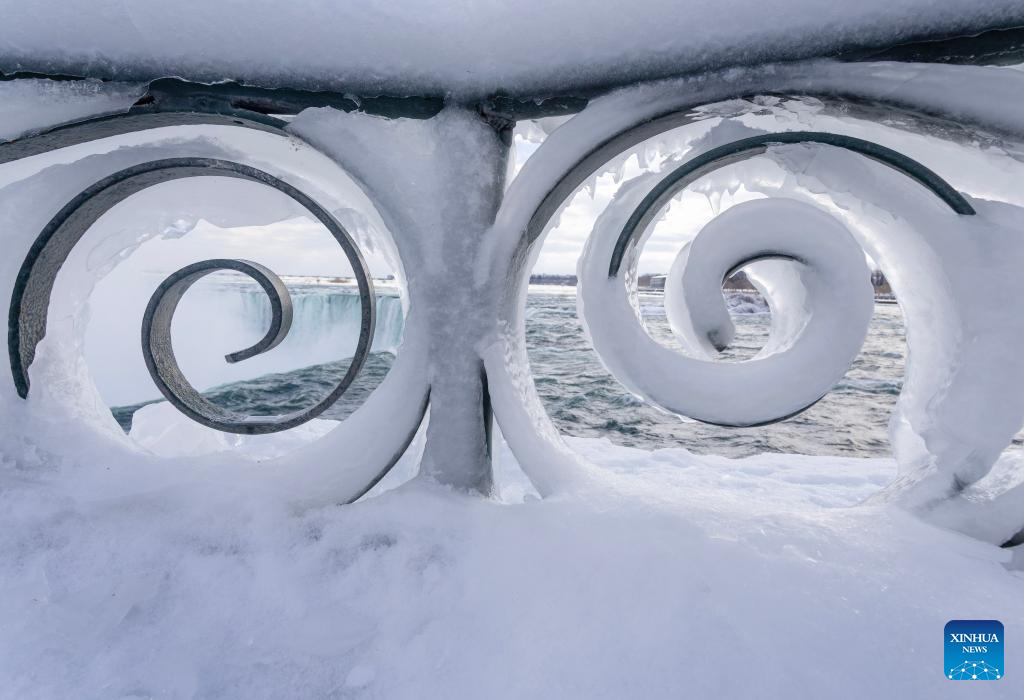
(28, 106)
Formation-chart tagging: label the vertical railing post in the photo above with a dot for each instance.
(437, 184)
(458, 312)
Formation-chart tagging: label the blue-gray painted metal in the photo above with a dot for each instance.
(30, 300)
(158, 350)
(103, 127)
(709, 161)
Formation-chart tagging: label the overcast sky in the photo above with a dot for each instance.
(564, 243)
(301, 246)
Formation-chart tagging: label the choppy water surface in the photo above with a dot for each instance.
(584, 400)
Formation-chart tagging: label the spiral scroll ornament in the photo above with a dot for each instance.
(811, 268)
(808, 265)
(34, 285)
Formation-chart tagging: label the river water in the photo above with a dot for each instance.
(584, 400)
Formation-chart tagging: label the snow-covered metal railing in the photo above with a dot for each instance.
(31, 296)
(948, 432)
(431, 179)
(759, 235)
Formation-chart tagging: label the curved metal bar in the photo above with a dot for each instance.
(281, 311)
(158, 350)
(26, 324)
(77, 133)
(709, 161)
(400, 450)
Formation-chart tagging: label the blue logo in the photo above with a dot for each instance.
(974, 650)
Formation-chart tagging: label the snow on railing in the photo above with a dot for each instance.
(31, 297)
(429, 190)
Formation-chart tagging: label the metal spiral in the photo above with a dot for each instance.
(818, 288)
(158, 351)
(808, 280)
(34, 285)
(713, 159)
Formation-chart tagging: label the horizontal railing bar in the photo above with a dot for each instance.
(998, 46)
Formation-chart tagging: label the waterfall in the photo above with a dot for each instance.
(218, 317)
(327, 319)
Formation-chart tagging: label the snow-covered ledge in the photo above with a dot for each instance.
(895, 160)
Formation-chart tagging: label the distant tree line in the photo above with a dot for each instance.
(738, 281)
(563, 280)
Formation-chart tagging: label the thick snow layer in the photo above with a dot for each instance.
(467, 47)
(670, 576)
(821, 311)
(163, 430)
(31, 105)
(437, 185)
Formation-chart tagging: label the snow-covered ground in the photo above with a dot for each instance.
(670, 576)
